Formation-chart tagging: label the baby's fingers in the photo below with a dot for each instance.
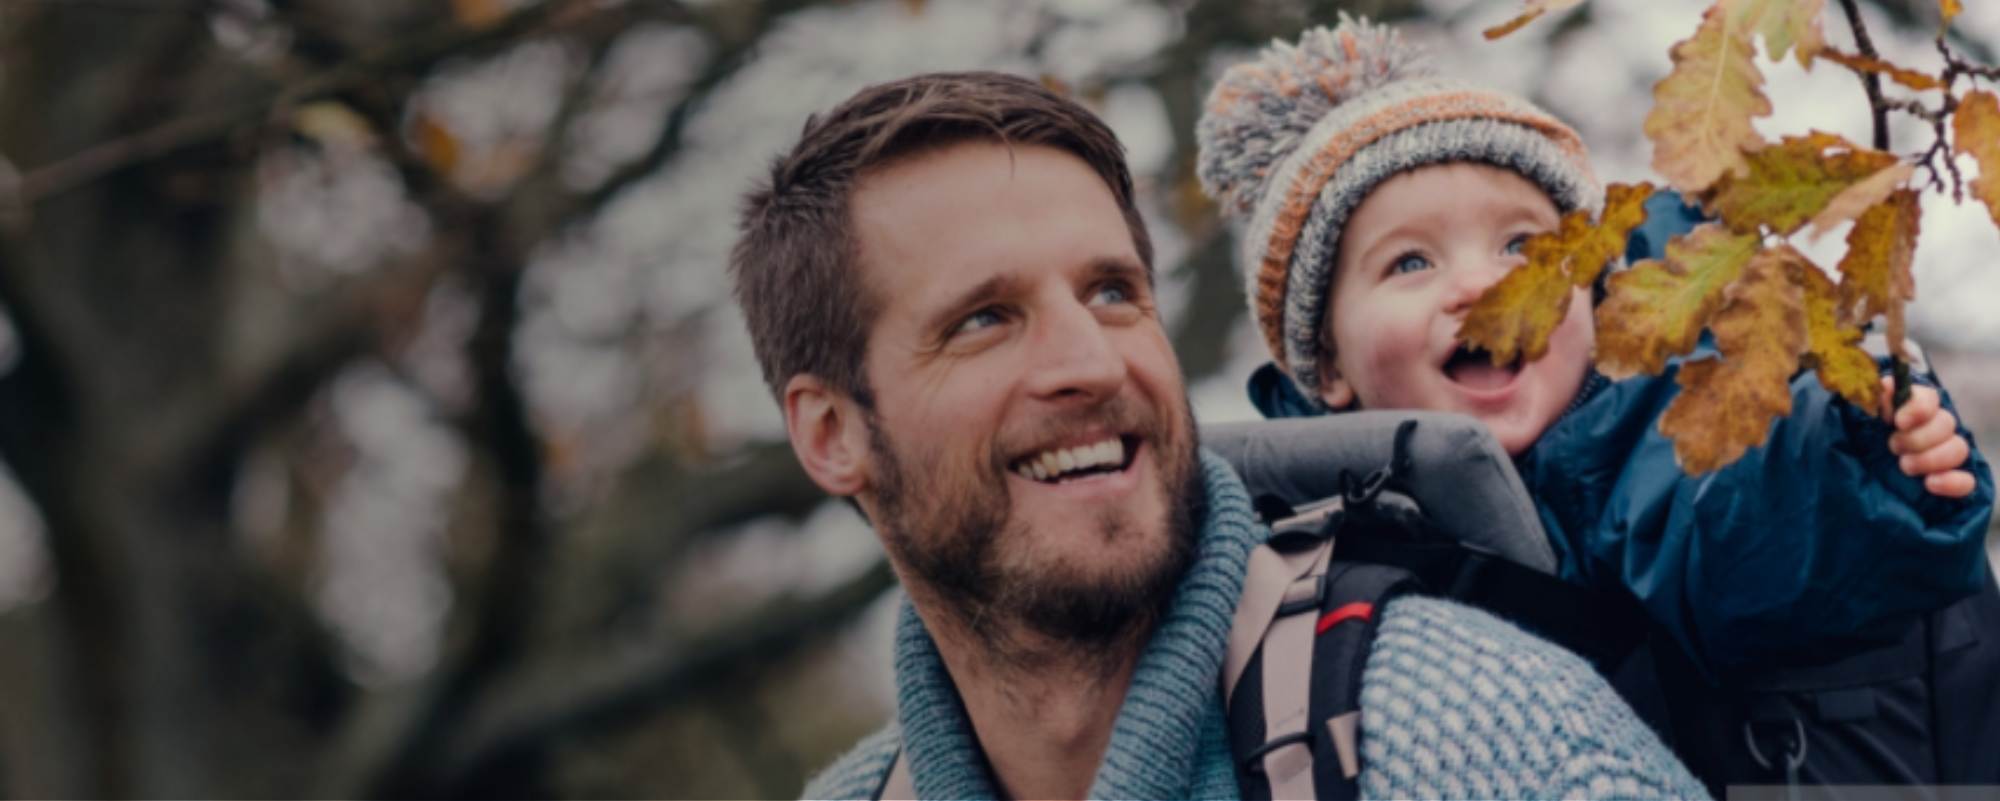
(1949, 484)
(1936, 460)
(1927, 435)
(1922, 404)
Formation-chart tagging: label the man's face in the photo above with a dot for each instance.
(1417, 252)
(1031, 445)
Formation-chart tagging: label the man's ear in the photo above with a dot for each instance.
(828, 434)
(1334, 391)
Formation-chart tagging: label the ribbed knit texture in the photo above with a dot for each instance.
(1453, 697)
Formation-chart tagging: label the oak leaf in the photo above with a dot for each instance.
(1975, 131)
(1788, 183)
(1534, 8)
(1700, 122)
(1657, 309)
(1909, 78)
(1833, 348)
(1786, 25)
(1875, 275)
(1517, 314)
(1726, 403)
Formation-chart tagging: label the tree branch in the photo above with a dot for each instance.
(412, 54)
(602, 692)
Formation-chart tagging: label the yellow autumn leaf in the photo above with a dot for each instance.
(1854, 200)
(1656, 310)
(1534, 8)
(1909, 78)
(1700, 122)
(1785, 184)
(1727, 403)
(1833, 348)
(1786, 25)
(1949, 9)
(1517, 314)
(1875, 275)
(1975, 131)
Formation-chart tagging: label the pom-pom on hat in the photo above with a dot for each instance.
(1293, 141)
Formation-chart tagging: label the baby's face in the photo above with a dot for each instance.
(1415, 255)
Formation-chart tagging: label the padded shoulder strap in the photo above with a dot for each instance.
(1461, 477)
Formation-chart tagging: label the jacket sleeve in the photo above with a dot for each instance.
(1813, 538)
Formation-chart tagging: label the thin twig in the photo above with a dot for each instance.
(1869, 81)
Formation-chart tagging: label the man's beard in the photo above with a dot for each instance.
(948, 527)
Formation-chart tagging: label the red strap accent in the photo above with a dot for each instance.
(1359, 610)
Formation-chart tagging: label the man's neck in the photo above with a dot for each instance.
(1042, 712)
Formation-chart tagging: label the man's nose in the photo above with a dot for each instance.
(1075, 356)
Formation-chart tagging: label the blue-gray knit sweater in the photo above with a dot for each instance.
(1457, 704)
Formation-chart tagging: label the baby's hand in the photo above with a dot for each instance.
(1927, 439)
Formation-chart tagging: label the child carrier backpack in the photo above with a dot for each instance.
(1364, 507)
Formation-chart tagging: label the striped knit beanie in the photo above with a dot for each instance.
(1293, 141)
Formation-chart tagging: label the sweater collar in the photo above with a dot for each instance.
(1156, 737)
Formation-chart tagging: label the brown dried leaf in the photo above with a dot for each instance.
(1656, 310)
(1975, 131)
(1534, 8)
(1700, 122)
(1727, 403)
(1789, 182)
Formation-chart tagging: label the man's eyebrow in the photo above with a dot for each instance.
(964, 302)
(1124, 267)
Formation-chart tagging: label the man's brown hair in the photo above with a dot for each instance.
(797, 261)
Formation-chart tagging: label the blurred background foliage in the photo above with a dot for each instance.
(375, 422)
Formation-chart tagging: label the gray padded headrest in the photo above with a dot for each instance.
(1463, 480)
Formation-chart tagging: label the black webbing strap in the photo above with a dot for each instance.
(1602, 627)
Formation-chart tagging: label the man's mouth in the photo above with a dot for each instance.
(1473, 368)
(1110, 454)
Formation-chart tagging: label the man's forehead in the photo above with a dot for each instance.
(936, 222)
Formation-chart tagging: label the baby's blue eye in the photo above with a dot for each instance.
(1516, 245)
(1409, 263)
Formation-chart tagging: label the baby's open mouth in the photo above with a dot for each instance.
(1473, 367)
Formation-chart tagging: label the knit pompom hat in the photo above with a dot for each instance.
(1293, 141)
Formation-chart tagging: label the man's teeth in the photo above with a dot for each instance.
(1052, 464)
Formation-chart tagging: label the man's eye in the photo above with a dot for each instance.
(1109, 294)
(979, 320)
(1517, 245)
(1409, 263)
